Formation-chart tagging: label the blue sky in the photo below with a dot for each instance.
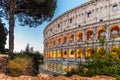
(34, 36)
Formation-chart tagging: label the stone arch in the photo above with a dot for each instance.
(50, 43)
(101, 33)
(79, 36)
(59, 68)
(115, 31)
(71, 53)
(101, 52)
(54, 54)
(79, 53)
(64, 68)
(71, 67)
(64, 54)
(59, 40)
(54, 41)
(71, 37)
(58, 54)
(64, 39)
(54, 67)
(50, 53)
(88, 53)
(89, 34)
(114, 51)
(51, 66)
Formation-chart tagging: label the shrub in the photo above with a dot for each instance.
(21, 66)
(25, 63)
(107, 66)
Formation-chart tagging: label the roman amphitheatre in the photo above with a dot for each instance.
(72, 36)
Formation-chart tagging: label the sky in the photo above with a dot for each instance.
(34, 36)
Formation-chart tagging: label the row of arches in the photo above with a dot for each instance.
(78, 53)
(63, 54)
(100, 33)
(59, 67)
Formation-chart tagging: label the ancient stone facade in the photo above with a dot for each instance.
(70, 38)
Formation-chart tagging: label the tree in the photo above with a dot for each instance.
(3, 37)
(28, 12)
(27, 49)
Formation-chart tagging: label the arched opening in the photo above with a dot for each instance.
(45, 65)
(79, 36)
(54, 41)
(88, 52)
(64, 39)
(54, 67)
(79, 53)
(71, 53)
(50, 43)
(71, 38)
(71, 68)
(64, 54)
(115, 31)
(59, 68)
(59, 54)
(101, 52)
(45, 55)
(115, 52)
(51, 54)
(51, 66)
(64, 69)
(48, 55)
(101, 33)
(59, 40)
(89, 35)
(54, 54)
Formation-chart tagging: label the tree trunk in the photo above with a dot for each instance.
(11, 26)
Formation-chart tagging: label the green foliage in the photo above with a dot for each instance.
(29, 12)
(102, 40)
(3, 37)
(24, 63)
(115, 52)
(107, 66)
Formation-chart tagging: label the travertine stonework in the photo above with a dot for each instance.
(71, 37)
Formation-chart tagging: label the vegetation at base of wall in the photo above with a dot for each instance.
(109, 65)
(24, 64)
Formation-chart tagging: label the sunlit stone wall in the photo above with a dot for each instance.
(71, 37)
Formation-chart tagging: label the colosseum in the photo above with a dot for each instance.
(71, 37)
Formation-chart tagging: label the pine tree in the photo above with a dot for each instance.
(28, 12)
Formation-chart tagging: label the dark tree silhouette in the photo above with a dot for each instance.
(28, 12)
(3, 37)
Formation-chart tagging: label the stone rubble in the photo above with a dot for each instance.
(50, 77)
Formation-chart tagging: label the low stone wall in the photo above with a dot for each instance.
(3, 65)
(50, 77)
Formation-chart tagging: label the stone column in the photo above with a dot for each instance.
(74, 53)
(74, 37)
(67, 35)
(84, 34)
(67, 59)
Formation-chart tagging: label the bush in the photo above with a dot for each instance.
(21, 66)
(107, 66)
(24, 64)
